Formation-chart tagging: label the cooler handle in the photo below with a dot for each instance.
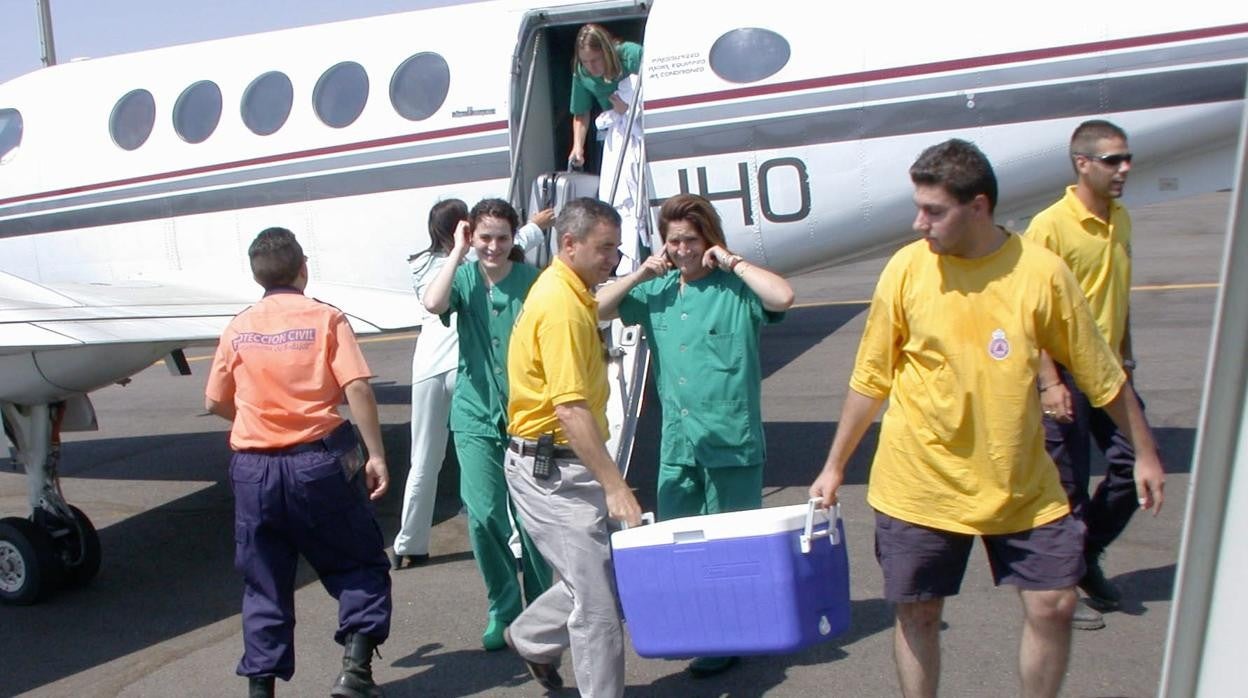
(809, 534)
(646, 518)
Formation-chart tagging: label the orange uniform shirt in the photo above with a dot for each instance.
(283, 362)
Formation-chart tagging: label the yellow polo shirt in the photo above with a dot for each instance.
(954, 344)
(556, 356)
(1099, 254)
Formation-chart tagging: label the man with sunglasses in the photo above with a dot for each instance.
(1091, 231)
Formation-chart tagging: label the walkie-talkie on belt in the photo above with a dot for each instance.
(543, 459)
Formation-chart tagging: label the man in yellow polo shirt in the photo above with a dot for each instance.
(562, 481)
(1091, 232)
(953, 341)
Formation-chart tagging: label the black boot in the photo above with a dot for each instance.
(260, 687)
(356, 679)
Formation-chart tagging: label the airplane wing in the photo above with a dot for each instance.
(36, 316)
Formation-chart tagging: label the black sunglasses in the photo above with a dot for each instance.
(1110, 160)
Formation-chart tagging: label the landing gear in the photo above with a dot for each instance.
(29, 566)
(77, 545)
(57, 545)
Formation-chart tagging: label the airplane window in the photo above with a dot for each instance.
(132, 119)
(10, 134)
(197, 111)
(749, 54)
(266, 103)
(340, 94)
(419, 86)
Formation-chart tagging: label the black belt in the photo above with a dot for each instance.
(525, 449)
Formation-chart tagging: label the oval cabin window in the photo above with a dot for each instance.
(10, 134)
(266, 103)
(197, 111)
(419, 86)
(340, 94)
(132, 119)
(749, 54)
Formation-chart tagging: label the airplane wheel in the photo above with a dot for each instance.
(29, 566)
(80, 550)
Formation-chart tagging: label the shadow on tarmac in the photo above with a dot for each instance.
(469, 672)
(800, 331)
(1140, 587)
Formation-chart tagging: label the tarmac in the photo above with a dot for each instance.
(162, 617)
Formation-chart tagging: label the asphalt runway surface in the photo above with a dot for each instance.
(162, 618)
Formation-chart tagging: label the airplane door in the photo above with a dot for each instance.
(540, 125)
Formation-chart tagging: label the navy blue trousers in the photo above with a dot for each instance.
(1107, 511)
(291, 504)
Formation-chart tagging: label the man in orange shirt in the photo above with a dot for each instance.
(280, 371)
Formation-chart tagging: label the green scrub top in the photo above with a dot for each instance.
(484, 320)
(706, 367)
(587, 88)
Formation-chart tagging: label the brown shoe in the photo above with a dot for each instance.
(546, 675)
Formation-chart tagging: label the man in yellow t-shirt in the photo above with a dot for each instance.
(1091, 232)
(566, 488)
(953, 341)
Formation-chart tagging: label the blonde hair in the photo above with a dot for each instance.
(596, 38)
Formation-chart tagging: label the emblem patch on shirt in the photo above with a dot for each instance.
(998, 346)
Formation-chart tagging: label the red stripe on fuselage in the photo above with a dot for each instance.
(268, 159)
(948, 66)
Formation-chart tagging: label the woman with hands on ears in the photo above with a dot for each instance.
(703, 325)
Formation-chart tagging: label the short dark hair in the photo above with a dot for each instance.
(579, 217)
(958, 167)
(697, 212)
(276, 258)
(1084, 139)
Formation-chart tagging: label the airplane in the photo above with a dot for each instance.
(130, 186)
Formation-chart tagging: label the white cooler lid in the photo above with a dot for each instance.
(737, 524)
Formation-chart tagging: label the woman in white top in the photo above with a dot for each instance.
(433, 380)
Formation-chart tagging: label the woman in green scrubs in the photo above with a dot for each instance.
(486, 297)
(602, 61)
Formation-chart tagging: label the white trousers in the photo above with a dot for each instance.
(431, 409)
(566, 516)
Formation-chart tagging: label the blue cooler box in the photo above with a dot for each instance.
(768, 581)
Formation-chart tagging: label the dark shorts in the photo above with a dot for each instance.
(921, 563)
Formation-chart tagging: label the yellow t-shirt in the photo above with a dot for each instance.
(955, 344)
(556, 356)
(1099, 254)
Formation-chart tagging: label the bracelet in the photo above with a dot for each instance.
(1050, 385)
(733, 261)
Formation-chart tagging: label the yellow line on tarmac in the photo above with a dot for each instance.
(1176, 287)
(405, 336)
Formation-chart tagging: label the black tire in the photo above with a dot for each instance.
(30, 568)
(80, 551)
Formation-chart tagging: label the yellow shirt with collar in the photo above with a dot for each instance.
(954, 345)
(556, 356)
(1098, 252)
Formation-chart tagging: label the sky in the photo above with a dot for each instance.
(94, 28)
